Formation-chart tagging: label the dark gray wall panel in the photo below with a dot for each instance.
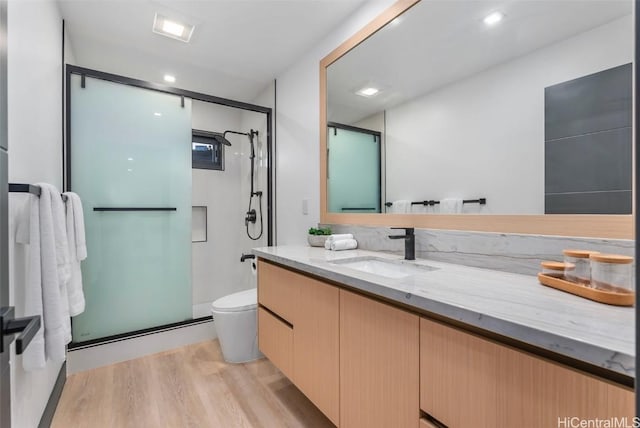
(589, 203)
(593, 162)
(597, 102)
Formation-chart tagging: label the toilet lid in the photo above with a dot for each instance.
(236, 302)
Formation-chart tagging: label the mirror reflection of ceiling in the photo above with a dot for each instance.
(439, 42)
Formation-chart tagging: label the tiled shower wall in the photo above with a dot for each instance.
(588, 144)
(499, 251)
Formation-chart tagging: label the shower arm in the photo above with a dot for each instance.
(249, 134)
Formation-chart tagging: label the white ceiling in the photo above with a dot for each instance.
(438, 42)
(238, 46)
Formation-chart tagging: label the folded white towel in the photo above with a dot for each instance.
(402, 206)
(56, 318)
(337, 237)
(344, 244)
(28, 233)
(77, 253)
(451, 206)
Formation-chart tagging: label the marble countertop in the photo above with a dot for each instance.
(508, 304)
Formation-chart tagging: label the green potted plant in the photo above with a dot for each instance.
(317, 237)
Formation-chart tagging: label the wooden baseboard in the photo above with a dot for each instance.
(54, 398)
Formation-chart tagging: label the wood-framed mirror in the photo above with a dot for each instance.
(525, 123)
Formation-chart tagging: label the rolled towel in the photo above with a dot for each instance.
(344, 244)
(337, 237)
(403, 206)
(451, 206)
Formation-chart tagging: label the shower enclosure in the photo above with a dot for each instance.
(354, 169)
(129, 157)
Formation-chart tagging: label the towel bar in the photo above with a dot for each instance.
(28, 188)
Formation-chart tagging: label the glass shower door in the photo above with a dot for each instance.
(354, 171)
(131, 165)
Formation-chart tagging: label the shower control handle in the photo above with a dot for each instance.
(251, 217)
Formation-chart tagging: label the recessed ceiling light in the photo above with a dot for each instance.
(169, 78)
(157, 114)
(493, 18)
(172, 28)
(368, 91)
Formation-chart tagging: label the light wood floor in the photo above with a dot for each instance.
(186, 387)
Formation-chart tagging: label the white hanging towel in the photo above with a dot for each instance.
(54, 255)
(28, 233)
(77, 252)
(44, 289)
(451, 206)
(401, 206)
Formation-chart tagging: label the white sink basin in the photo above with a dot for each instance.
(384, 267)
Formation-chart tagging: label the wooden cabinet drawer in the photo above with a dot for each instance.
(544, 393)
(278, 290)
(457, 376)
(316, 346)
(379, 363)
(275, 340)
(471, 382)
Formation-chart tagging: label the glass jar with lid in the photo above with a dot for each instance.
(557, 269)
(581, 274)
(612, 272)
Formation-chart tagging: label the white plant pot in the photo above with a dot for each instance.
(317, 240)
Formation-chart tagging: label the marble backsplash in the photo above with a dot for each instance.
(505, 252)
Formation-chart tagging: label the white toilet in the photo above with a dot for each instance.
(235, 318)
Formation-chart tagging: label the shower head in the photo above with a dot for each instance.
(220, 138)
(223, 137)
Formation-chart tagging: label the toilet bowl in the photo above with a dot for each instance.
(235, 320)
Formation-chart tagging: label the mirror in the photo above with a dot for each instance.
(482, 107)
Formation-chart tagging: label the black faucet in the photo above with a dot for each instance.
(409, 242)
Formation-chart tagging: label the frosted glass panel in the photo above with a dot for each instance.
(131, 148)
(354, 172)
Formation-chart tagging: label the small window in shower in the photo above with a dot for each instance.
(206, 151)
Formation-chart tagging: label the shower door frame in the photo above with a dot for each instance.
(66, 167)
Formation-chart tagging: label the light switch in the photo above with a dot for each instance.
(305, 206)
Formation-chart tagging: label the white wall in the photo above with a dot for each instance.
(484, 136)
(35, 153)
(298, 132)
(215, 263)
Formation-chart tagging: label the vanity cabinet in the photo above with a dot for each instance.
(379, 364)
(468, 381)
(365, 363)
